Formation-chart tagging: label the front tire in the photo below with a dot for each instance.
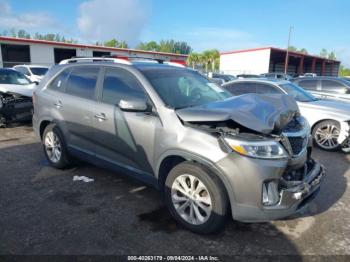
(325, 135)
(196, 198)
(54, 147)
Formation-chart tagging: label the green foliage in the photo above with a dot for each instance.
(332, 56)
(292, 48)
(115, 43)
(208, 59)
(168, 46)
(343, 71)
(324, 53)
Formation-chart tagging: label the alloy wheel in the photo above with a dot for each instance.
(327, 136)
(53, 147)
(191, 199)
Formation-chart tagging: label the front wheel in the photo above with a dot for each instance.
(196, 198)
(54, 147)
(325, 135)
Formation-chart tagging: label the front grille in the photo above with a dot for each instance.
(297, 144)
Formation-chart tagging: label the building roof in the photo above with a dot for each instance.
(103, 48)
(277, 49)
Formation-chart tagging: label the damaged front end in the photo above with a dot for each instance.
(14, 108)
(275, 142)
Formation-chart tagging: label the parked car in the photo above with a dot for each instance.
(277, 76)
(224, 77)
(248, 76)
(34, 72)
(326, 87)
(329, 120)
(309, 75)
(15, 97)
(171, 127)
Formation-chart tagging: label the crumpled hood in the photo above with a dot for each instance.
(261, 113)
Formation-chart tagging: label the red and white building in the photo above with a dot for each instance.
(16, 51)
(271, 59)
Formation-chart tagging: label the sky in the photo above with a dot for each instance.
(222, 24)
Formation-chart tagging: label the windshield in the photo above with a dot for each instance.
(12, 77)
(39, 71)
(298, 93)
(180, 88)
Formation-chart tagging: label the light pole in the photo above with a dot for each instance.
(287, 53)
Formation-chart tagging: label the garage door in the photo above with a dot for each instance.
(62, 53)
(15, 54)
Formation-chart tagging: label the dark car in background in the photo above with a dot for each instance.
(277, 76)
(326, 87)
(224, 77)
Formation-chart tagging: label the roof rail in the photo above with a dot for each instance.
(158, 60)
(92, 59)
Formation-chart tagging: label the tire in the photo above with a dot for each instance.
(211, 198)
(323, 129)
(53, 133)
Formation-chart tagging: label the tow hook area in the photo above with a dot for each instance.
(346, 145)
(290, 191)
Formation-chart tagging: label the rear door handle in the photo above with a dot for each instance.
(58, 104)
(100, 117)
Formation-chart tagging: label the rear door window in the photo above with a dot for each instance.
(267, 89)
(118, 84)
(82, 81)
(308, 84)
(241, 88)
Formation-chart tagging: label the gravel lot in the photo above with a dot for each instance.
(44, 212)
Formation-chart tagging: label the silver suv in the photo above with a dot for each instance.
(210, 154)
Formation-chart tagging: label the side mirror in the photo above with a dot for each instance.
(133, 104)
(36, 82)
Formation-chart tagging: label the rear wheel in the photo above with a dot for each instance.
(54, 147)
(325, 135)
(196, 198)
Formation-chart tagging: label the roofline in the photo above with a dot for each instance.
(54, 43)
(245, 50)
(278, 49)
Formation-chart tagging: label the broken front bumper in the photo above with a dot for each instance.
(247, 177)
(294, 195)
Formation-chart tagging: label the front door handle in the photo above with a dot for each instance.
(101, 117)
(58, 104)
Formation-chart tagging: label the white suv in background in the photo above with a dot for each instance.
(34, 72)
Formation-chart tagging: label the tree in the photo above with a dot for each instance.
(332, 56)
(193, 59)
(324, 53)
(292, 48)
(343, 71)
(168, 46)
(115, 43)
(303, 50)
(23, 34)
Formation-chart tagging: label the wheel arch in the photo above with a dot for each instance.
(175, 157)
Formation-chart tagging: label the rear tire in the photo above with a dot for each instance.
(325, 135)
(54, 147)
(196, 198)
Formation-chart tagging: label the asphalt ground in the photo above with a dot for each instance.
(44, 212)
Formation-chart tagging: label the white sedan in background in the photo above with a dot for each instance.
(34, 72)
(14, 82)
(329, 119)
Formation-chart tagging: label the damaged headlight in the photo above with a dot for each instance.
(266, 149)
